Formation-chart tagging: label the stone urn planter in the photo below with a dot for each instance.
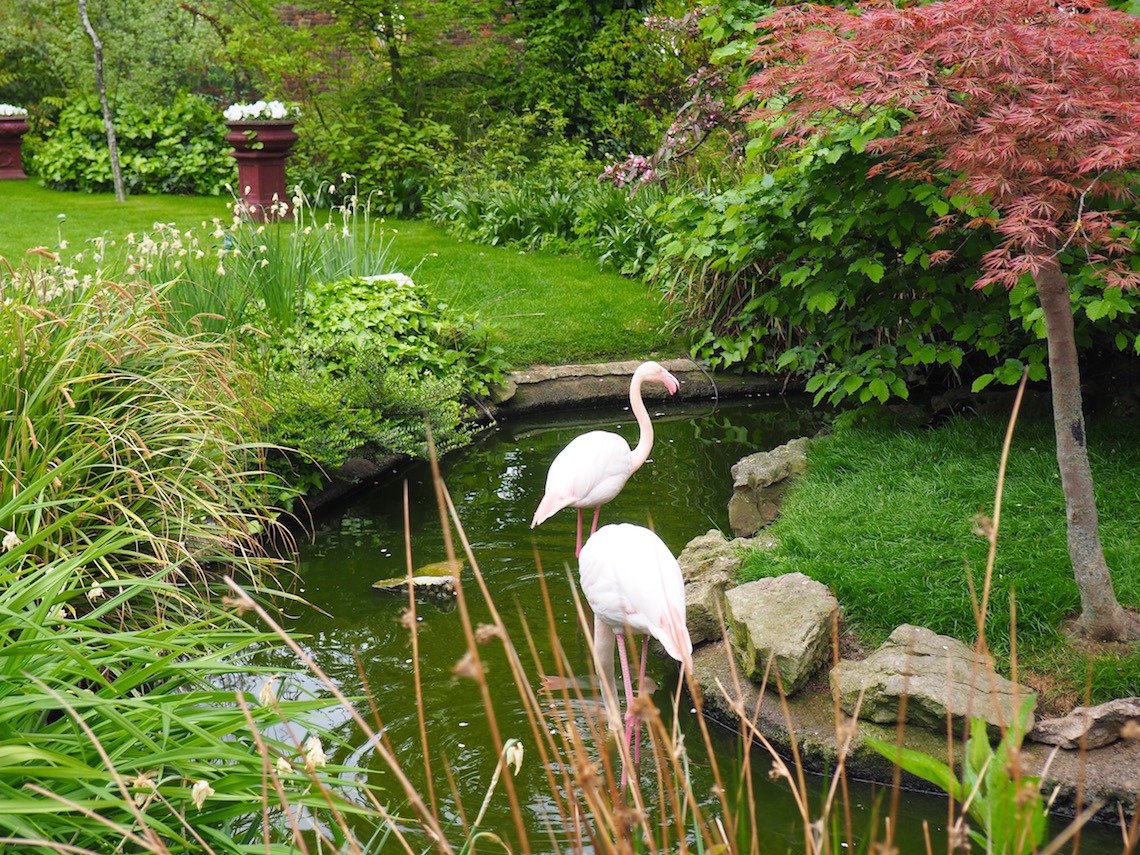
(12, 130)
(260, 147)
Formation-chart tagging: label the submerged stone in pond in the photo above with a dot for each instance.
(435, 579)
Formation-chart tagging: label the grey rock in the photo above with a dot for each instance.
(788, 619)
(1091, 727)
(759, 483)
(556, 386)
(709, 564)
(937, 674)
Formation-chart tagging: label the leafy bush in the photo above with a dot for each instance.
(179, 148)
(368, 361)
(807, 266)
(395, 158)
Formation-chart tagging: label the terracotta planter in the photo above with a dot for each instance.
(261, 148)
(12, 130)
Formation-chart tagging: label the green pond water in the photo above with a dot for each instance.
(495, 486)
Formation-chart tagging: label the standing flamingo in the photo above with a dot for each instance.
(633, 583)
(592, 469)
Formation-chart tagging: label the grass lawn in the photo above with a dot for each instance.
(542, 308)
(885, 519)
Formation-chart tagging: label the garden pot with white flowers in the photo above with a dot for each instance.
(262, 136)
(13, 126)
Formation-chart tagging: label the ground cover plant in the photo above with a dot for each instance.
(887, 520)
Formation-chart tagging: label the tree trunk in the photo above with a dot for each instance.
(1102, 617)
(391, 38)
(101, 86)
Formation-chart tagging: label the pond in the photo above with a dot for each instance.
(358, 639)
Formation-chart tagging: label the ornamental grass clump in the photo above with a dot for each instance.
(121, 429)
(128, 691)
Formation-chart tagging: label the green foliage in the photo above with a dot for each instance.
(368, 406)
(906, 556)
(152, 52)
(633, 83)
(387, 318)
(524, 183)
(226, 275)
(809, 267)
(1006, 804)
(129, 480)
(94, 374)
(395, 158)
(176, 148)
(369, 360)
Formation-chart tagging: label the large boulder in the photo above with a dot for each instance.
(788, 619)
(1090, 727)
(938, 675)
(710, 564)
(759, 483)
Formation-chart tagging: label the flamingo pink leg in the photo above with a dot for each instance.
(597, 511)
(628, 700)
(578, 543)
(640, 689)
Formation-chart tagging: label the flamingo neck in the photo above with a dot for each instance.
(645, 442)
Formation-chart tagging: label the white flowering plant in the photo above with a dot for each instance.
(12, 110)
(260, 111)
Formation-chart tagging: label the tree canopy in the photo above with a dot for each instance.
(1025, 110)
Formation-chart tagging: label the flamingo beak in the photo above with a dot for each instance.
(670, 382)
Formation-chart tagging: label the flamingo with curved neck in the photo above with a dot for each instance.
(593, 468)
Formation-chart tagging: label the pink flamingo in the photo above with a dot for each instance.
(633, 583)
(593, 468)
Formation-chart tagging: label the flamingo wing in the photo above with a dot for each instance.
(588, 472)
(630, 578)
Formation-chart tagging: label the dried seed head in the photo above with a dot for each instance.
(485, 632)
(468, 666)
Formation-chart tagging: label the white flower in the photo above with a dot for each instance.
(11, 541)
(200, 792)
(513, 754)
(314, 754)
(12, 110)
(96, 592)
(284, 767)
(260, 110)
(268, 693)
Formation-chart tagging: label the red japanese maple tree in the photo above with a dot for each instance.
(1030, 105)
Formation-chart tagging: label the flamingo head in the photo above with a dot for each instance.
(653, 371)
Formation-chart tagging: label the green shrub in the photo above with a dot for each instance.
(178, 148)
(370, 360)
(810, 267)
(377, 148)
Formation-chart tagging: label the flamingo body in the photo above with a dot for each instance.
(590, 471)
(633, 584)
(632, 581)
(593, 468)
